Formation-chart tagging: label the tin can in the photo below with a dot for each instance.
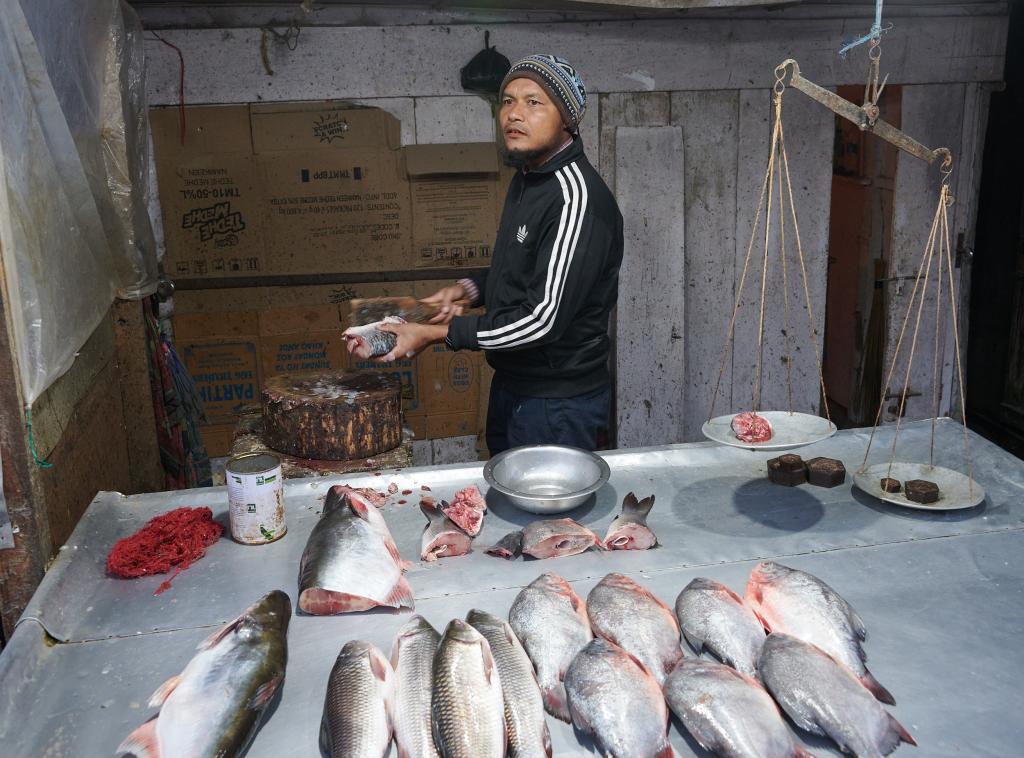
(255, 498)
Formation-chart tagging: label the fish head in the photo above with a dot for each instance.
(703, 583)
(460, 631)
(765, 573)
(415, 626)
(357, 650)
(477, 618)
(273, 611)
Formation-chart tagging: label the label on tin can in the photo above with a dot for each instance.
(255, 498)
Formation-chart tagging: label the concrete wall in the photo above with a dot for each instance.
(678, 122)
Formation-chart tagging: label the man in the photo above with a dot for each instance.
(553, 278)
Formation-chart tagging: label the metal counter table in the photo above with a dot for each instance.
(942, 594)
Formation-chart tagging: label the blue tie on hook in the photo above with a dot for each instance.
(876, 30)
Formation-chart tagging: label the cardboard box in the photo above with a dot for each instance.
(218, 439)
(457, 192)
(296, 340)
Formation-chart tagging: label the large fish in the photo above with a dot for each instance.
(466, 701)
(614, 699)
(729, 713)
(627, 614)
(358, 706)
(213, 708)
(800, 604)
(712, 616)
(550, 619)
(527, 731)
(350, 562)
(442, 538)
(557, 537)
(413, 659)
(823, 696)
(370, 341)
(629, 530)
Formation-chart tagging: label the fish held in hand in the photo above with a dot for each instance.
(350, 562)
(527, 730)
(467, 705)
(751, 427)
(822, 695)
(551, 622)
(797, 603)
(357, 708)
(441, 537)
(627, 614)
(508, 547)
(728, 713)
(629, 530)
(555, 538)
(467, 510)
(613, 698)
(714, 617)
(370, 341)
(412, 658)
(214, 706)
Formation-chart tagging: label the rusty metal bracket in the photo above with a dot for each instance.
(865, 117)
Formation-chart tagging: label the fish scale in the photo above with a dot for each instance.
(356, 719)
(714, 617)
(413, 660)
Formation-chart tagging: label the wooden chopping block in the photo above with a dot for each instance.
(332, 415)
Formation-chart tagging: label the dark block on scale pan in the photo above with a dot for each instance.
(921, 491)
(788, 470)
(825, 472)
(891, 485)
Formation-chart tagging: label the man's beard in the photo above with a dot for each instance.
(523, 159)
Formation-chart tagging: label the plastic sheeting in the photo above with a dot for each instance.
(74, 229)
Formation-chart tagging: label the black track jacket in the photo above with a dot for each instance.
(553, 280)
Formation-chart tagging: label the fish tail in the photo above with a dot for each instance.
(401, 595)
(665, 752)
(875, 688)
(555, 702)
(637, 509)
(142, 743)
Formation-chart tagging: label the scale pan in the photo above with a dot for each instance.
(789, 430)
(956, 491)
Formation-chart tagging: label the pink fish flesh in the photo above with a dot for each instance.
(557, 537)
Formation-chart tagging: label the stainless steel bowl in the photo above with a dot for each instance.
(546, 478)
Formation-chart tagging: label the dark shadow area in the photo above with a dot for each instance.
(755, 504)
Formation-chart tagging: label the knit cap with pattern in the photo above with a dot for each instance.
(559, 79)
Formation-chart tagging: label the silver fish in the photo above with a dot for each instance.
(350, 562)
(357, 709)
(729, 713)
(370, 341)
(627, 614)
(508, 547)
(550, 619)
(712, 616)
(823, 696)
(413, 660)
(442, 538)
(554, 538)
(214, 707)
(629, 530)
(614, 699)
(527, 731)
(466, 701)
(798, 603)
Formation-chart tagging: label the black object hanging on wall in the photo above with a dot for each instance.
(484, 73)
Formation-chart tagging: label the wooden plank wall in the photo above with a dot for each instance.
(710, 79)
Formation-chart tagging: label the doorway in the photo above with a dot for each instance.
(860, 238)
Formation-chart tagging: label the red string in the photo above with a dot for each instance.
(177, 538)
(181, 86)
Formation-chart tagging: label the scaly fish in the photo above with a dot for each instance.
(550, 619)
(527, 731)
(214, 707)
(800, 604)
(350, 562)
(508, 547)
(370, 341)
(823, 696)
(729, 713)
(614, 699)
(358, 705)
(466, 701)
(413, 660)
(557, 537)
(627, 614)
(442, 538)
(712, 616)
(629, 530)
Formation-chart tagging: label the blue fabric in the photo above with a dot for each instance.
(514, 420)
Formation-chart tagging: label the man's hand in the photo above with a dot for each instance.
(444, 300)
(412, 338)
